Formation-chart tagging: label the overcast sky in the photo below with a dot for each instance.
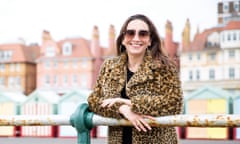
(70, 18)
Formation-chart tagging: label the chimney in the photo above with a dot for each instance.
(168, 38)
(111, 41)
(46, 36)
(186, 36)
(95, 47)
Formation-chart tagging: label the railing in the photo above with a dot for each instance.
(84, 121)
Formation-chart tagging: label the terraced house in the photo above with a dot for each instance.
(213, 57)
(18, 69)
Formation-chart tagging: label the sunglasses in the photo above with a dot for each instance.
(141, 34)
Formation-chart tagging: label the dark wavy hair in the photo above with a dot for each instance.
(156, 49)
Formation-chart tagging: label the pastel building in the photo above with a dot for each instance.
(18, 67)
(213, 57)
(72, 63)
(228, 10)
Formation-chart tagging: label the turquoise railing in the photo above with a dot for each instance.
(83, 121)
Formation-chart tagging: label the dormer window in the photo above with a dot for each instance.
(50, 51)
(225, 7)
(67, 48)
(236, 6)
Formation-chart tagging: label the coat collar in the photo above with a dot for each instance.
(144, 72)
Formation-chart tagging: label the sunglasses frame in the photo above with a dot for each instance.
(131, 33)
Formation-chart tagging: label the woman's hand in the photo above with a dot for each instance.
(109, 102)
(137, 120)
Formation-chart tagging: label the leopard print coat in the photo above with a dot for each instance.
(153, 90)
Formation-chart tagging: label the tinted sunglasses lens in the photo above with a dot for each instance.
(130, 33)
(143, 33)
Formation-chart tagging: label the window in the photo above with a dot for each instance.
(2, 67)
(225, 7)
(55, 64)
(190, 75)
(6, 55)
(231, 73)
(198, 56)
(236, 6)
(231, 53)
(190, 57)
(47, 80)
(234, 36)
(212, 56)
(229, 36)
(55, 79)
(75, 79)
(11, 82)
(47, 64)
(2, 81)
(211, 74)
(197, 74)
(223, 38)
(65, 64)
(1, 54)
(84, 63)
(17, 67)
(84, 81)
(18, 81)
(12, 68)
(50, 51)
(65, 79)
(74, 64)
(67, 48)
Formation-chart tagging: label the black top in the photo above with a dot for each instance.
(127, 130)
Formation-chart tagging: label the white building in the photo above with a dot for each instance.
(212, 58)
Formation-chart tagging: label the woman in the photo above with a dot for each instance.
(140, 83)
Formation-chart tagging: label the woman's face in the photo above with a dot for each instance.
(136, 38)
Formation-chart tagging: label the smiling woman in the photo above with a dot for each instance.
(140, 83)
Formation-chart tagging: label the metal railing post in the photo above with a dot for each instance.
(81, 119)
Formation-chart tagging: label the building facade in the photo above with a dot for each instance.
(72, 63)
(213, 58)
(228, 10)
(18, 67)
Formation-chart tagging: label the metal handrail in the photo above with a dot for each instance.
(84, 120)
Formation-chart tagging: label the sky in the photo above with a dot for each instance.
(26, 19)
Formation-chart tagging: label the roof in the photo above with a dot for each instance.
(81, 46)
(43, 96)
(21, 52)
(209, 92)
(200, 39)
(236, 97)
(12, 96)
(80, 95)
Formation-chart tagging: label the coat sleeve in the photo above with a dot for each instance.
(96, 97)
(168, 102)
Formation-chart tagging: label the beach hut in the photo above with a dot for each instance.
(207, 100)
(40, 102)
(67, 106)
(9, 105)
(236, 110)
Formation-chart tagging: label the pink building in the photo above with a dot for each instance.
(72, 63)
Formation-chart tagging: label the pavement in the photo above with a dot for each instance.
(33, 140)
